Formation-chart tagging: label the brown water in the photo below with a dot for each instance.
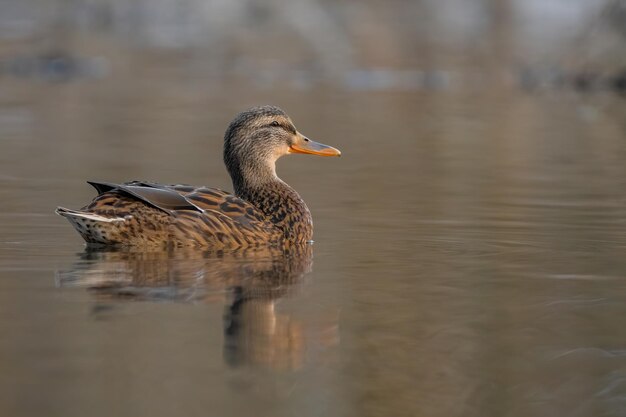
(468, 257)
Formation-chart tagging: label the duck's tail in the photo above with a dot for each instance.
(94, 228)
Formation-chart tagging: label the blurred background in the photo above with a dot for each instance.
(469, 255)
(302, 45)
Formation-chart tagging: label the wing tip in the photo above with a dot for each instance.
(102, 187)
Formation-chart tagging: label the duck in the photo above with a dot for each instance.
(263, 210)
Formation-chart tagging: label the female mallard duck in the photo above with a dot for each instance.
(263, 211)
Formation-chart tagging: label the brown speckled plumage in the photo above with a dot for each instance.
(263, 211)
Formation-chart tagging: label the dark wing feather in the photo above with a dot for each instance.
(163, 198)
(182, 197)
(102, 187)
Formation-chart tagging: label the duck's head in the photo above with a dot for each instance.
(257, 137)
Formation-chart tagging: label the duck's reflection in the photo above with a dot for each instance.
(254, 333)
(248, 282)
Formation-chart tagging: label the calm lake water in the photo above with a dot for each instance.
(468, 257)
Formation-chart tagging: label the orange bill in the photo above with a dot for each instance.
(306, 145)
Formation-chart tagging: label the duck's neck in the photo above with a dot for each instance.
(280, 203)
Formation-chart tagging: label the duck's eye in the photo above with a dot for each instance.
(275, 124)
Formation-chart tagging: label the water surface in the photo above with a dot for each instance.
(468, 257)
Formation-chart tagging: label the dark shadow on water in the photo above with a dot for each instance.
(248, 282)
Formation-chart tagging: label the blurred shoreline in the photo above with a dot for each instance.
(307, 44)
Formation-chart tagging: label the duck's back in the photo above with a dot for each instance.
(148, 214)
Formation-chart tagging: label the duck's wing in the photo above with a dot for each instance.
(184, 197)
(199, 215)
(165, 198)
